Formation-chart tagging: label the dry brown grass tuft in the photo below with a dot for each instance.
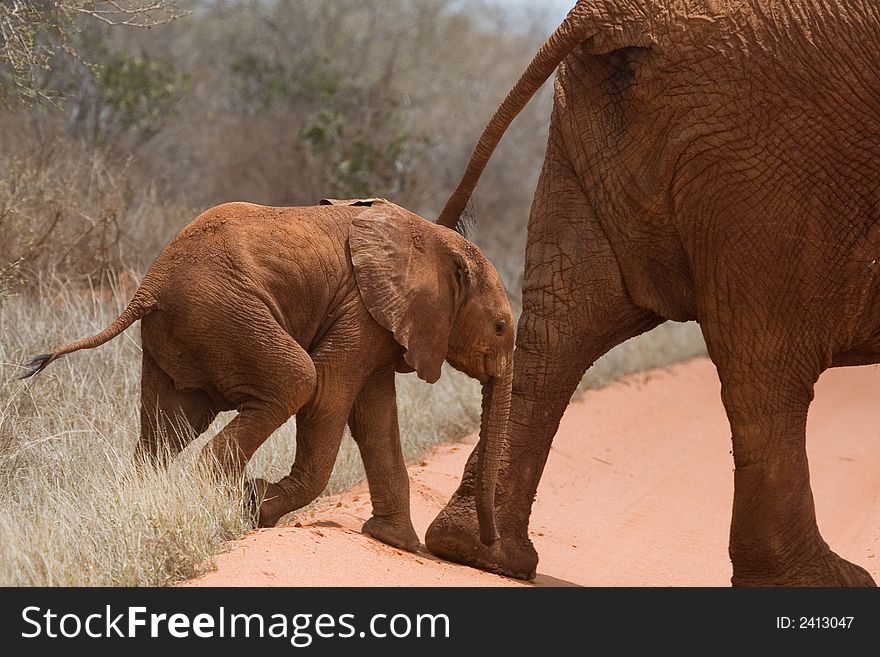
(73, 510)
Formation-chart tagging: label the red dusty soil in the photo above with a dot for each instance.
(637, 491)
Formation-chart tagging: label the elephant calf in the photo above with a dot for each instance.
(311, 311)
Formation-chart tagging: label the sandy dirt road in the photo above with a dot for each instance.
(637, 491)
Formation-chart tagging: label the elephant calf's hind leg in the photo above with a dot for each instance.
(170, 418)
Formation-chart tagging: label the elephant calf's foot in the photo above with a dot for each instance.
(827, 569)
(265, 503)
(252, 492)
(455, 536)
(399, 533)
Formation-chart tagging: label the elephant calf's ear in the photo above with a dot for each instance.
(406, 284)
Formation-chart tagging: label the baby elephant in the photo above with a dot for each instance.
(310, 311)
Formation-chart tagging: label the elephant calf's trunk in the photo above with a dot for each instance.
(493, 426)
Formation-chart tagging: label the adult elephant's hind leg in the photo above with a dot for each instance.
(774, 538)
(575, 308)
(545, 377)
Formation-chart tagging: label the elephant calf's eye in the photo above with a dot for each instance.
(500, 328)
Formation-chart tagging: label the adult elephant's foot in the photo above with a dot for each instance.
(455, 536)
(825, 569)
(397, 532)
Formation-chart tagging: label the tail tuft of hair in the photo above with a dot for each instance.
(37, 365)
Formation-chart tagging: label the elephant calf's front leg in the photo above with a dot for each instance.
(373, 424)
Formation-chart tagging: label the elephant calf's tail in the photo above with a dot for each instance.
(141, 305)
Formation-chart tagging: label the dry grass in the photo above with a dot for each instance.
(74, 511)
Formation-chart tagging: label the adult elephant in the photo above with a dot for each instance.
(709, 160)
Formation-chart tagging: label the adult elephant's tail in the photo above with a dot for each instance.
(142, 304)
(577, 26)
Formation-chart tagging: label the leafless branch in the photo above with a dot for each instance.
(133, 13)
(31, 32)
